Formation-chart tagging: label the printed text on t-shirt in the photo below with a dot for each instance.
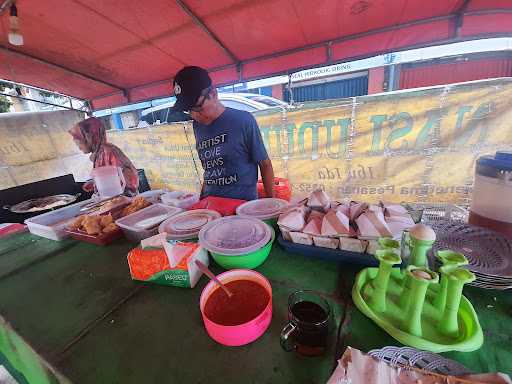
(211, 155)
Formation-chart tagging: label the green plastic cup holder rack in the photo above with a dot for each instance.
(388, 243)
(417, 306)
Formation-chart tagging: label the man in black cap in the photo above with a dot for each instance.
(228, 141)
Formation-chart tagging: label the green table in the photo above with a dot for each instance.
(70, 311)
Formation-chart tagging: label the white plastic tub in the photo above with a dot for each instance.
(153, 196)
(140, 225)
(52, 225)
(180, 199)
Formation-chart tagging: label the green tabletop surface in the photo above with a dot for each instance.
(70, 312)
(83, 319)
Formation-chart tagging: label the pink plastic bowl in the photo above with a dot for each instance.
(235, 335)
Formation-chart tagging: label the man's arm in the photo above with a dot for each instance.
(267, 174)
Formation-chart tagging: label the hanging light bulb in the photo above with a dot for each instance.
(15, 37)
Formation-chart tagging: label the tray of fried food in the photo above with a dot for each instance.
(95, 229)
(107, 205)
(137, 204)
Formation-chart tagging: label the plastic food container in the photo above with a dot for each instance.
(186, 225)
(144, 223)
(108, 181)
(99, 207)
(249, 261)
(491, 204)
(153, 196)
(52, 225)
(235, 235)
(103, 239)
(244, 333)
(180, 199)
(263, 209)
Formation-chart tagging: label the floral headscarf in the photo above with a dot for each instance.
(92, 132)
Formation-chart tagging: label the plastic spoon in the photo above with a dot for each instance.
(208, 273)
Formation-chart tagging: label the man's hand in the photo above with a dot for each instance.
(267, 175)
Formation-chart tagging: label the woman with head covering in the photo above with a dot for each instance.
(90, 137)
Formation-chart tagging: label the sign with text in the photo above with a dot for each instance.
(416, 145)
(166, 153)
(36, 146)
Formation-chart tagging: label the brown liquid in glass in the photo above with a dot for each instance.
(312, 328)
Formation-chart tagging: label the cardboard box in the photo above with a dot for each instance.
(301, 238)
(285, 232)
(326, 242)
(372, 247)
(172, 265)
(353, 245)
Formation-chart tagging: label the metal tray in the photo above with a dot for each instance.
(42, 203)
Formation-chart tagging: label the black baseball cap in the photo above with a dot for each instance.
(189, 82)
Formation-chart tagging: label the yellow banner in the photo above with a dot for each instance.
(418, 145)
(36, 146)
(166, 153)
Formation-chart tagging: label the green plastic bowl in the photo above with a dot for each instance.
(272, 222)
(247, 261)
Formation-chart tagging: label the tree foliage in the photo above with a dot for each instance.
(4, 103)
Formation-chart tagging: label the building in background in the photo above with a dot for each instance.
(423, 67)
(455, 70)
(24, 98)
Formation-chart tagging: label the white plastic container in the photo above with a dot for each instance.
(153, 196)
(180, 199)
(144, 223)
(186, 225)
(52, 225)
(109, 181)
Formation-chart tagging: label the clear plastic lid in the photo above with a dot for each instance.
(187, 224)
(235, 235)
(148, 217)
(263, 209)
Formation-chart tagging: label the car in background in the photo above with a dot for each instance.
(250, 102)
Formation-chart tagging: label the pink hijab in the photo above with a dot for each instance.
(92, 132)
